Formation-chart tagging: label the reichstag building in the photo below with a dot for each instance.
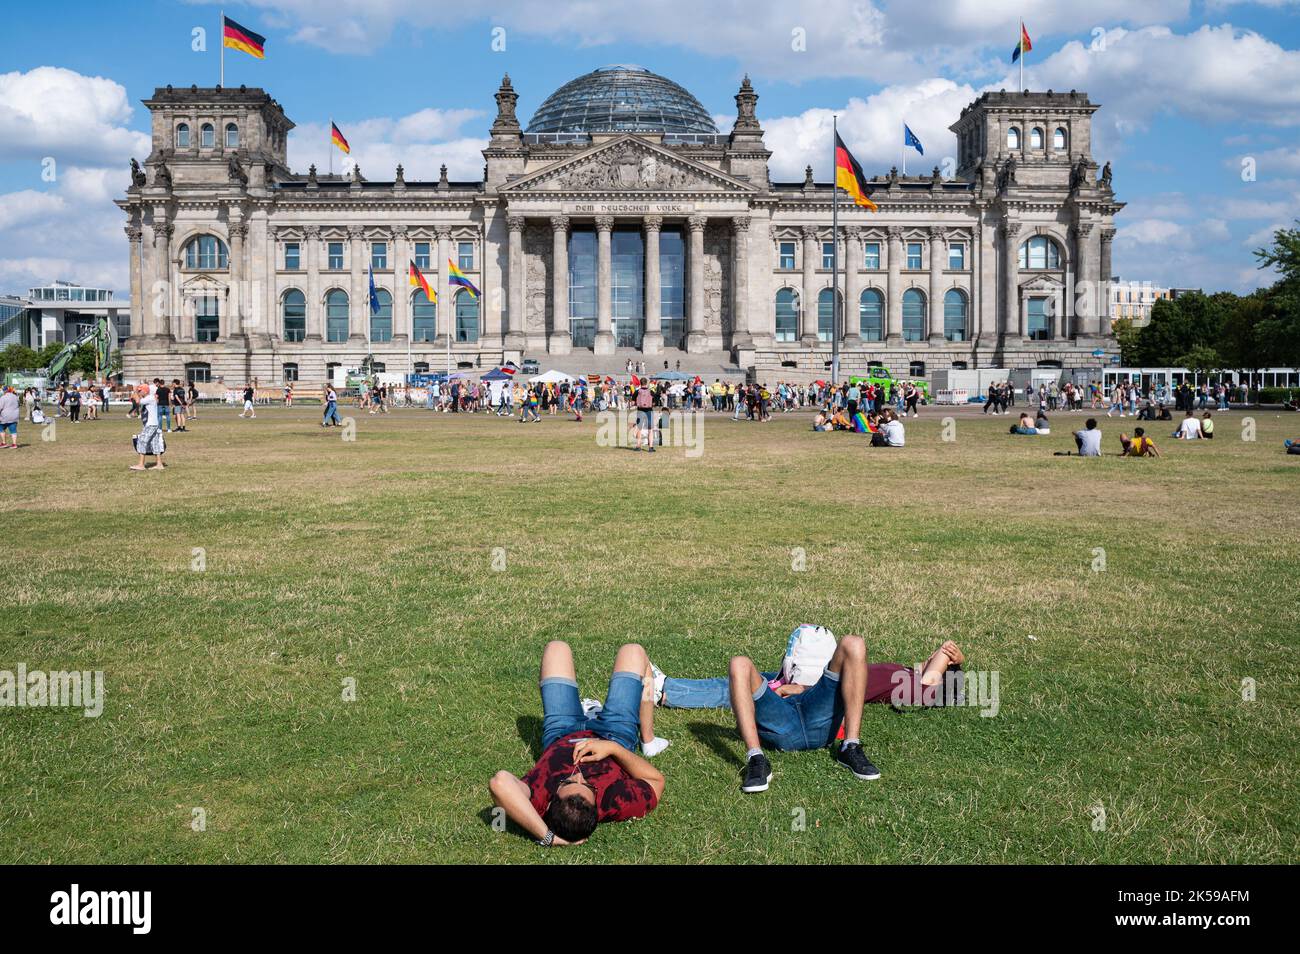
(619, 223)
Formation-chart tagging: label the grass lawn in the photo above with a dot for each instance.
(373, 560)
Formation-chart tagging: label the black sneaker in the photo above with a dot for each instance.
(757, 774)
(855, 760)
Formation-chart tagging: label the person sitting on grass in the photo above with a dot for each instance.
(1088, 440)
(1207, 426)
(1292, 446)
(887, 682)
(1041, 424)
(1189, 429)
(796, 718)
(1139, 445)
(1024, 426)
(822, 423)
(588, 772)
(891, 431)
(840, 420)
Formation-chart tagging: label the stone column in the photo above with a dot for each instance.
(514, 340)
(315, 304)
(167, 317)
(852, 287)
(561, 340)
(359, 297)
(401, 263)
(1081, 291)
(934, 305)
(741, 335)
(445, 312)
(235, 298)
(894, 288)
(604, 276)
(808, 297)
(1013, 317)
(696, 339)
(133, 235)
(1103, 319)
(653, 341)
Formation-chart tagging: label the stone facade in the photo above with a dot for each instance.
(944, 257)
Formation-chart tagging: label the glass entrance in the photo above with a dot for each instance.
(627, 287)
(582, 287)
(672, 287)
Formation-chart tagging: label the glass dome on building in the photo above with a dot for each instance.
(622, 99)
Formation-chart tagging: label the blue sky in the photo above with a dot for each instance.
(1188, 90)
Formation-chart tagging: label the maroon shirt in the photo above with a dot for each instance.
(619, 796)
(884, 679)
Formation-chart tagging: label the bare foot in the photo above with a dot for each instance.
(139, 467)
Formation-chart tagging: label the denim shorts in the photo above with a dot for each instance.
(809, 720)
(619, 721)
(9, 428)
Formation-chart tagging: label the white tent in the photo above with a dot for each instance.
(552, 377)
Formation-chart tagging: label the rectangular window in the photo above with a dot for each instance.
(787, 255)
(828, 254)
(292, 257)
(871, 255)
(914, 255)
(422, 255)
(290, 373)
(582, 287)
(207, 322)
(465, 256)
(672, 286)
(378, 255)
(1040, 328)
(957, 255)
(336, 256)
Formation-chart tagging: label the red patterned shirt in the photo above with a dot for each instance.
(619, 796)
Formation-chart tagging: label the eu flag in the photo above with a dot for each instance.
(909, 139)
(374, 296)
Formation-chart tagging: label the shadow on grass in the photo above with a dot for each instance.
(529, 728)
(721, 739)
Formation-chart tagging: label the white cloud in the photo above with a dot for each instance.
(872, 128)
(421, 142)
(50, 111)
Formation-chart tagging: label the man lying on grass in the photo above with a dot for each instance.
(794, 717)
(588, 772)
(887, 682)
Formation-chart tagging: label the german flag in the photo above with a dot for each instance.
(241, 38)
(336, 137)
(849, 177)
(418, 281)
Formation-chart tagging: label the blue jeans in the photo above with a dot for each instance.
(165, 416)
(619, 721)
(331, 413)
(809, 720)
(712, 693)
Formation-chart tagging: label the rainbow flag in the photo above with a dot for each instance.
(418, 281)
(242, 38)
(849, 176)
(1024, 46)
(337, 139)
(456, 277)
(860, 424)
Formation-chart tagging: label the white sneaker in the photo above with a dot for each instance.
(654, 747)
(659, 678)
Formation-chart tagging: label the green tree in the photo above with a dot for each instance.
(18, 357)
(1128, 338)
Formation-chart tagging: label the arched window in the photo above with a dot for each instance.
(424, 317)
(293, 310)
(232, 136)
(825, 314)
(336, 315)
(183, 136)
(1013, 138)
(1035, 138)
(207, 136)
(954, 315)
(913, 315)
(466, 317)
(1058, 138)
(381, 318)
(871, 316)
(787, 314)
(1040, 252)
(206, 252)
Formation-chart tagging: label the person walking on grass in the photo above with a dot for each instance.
(8, 419)
(248, 403)
(331, 418)
(178, 404)
(150, 441)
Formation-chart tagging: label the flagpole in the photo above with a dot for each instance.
(903, 152)
(222, 34)
(835, 254)
(1022, 54)
(331, 147)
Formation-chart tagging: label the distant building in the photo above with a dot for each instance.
(58, 312)
(1134, 300)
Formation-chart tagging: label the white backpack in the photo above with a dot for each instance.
(807, 654)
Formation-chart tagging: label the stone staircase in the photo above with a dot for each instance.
(579, 363)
